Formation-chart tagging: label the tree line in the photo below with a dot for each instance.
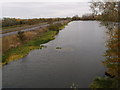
(6, 22)
(17, 21)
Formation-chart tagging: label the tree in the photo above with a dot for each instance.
(109, 11)
(88, 16)
(76, 17)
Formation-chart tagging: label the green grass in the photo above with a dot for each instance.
(19, 27)
(102, 82)
(23, 50)
(11, 27)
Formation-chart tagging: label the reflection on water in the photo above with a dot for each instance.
(113, 46)
(112, 59)
(78, 61)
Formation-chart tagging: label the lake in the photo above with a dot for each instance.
(78, 60)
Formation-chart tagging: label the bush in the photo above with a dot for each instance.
(55, 27)
(21, 35)
(102, 82)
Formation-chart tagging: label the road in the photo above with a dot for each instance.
(29, 29)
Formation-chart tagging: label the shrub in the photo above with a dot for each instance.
(55, 27)
(21, 36)
(102, 82)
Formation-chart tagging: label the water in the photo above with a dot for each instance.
(78, 62)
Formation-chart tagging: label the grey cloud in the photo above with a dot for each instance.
(44, 9)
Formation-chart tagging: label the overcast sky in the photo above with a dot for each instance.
(44, 9)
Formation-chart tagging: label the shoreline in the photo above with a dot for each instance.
(36, 43)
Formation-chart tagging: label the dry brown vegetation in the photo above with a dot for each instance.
(19, 45)
(13, 41)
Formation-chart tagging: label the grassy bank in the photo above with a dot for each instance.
(23, 50)
(27, 45)
(104, 82)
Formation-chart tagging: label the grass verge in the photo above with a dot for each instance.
(15, 52)
(22, 50)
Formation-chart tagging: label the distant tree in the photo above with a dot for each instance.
(6, 22)
(88, 16)
(76, 17)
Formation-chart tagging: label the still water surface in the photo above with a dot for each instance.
(78, 62)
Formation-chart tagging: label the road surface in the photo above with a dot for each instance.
(29, 29)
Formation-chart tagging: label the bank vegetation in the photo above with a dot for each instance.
(19, 45)
(110, 18)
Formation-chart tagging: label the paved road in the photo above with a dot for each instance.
(29, 29)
